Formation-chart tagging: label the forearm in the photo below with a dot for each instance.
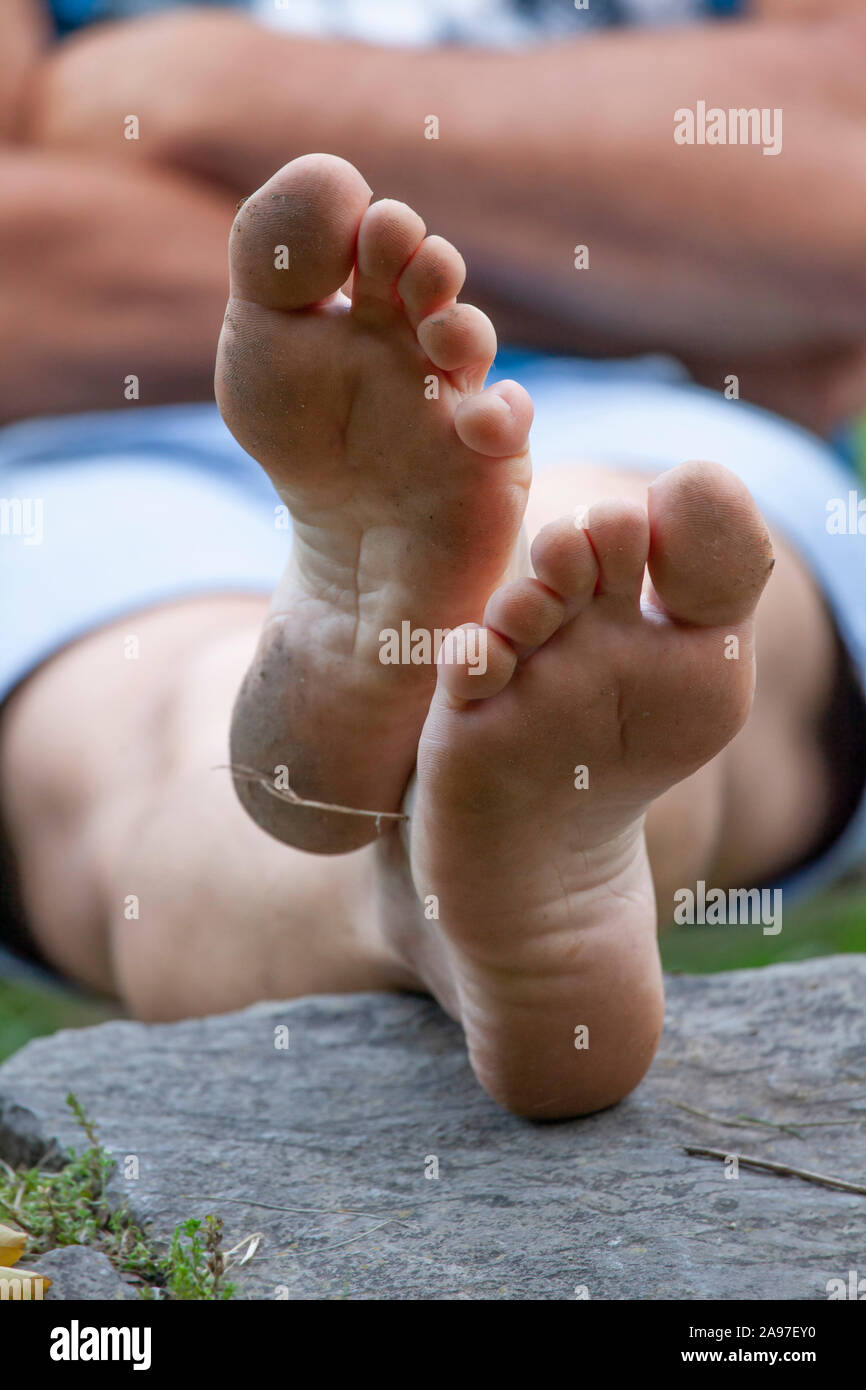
(107, 274)
(23, 36)
(689, 247)
(537, 152)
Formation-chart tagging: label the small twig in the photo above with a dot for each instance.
(794, 1126)
(820, 1124)
(304, 1211)
(791, 1127)
(249, 774)
(747, 1121)
(738, 1122)
(17, 1217)
(337, 1244)
(783, 1169)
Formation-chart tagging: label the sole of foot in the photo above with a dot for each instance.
(405, 479)
(598, 694)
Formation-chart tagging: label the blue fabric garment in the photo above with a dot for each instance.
(74, 14)
(420, 21)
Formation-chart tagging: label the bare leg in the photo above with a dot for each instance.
(115, 808)
(125, 812)
(111, 801)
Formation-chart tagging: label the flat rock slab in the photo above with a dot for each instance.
(325, 1146)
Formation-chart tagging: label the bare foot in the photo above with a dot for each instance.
(533, 782)
(405, 480)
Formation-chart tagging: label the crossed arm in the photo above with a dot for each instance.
(737, 263)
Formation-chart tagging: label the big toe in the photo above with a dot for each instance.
(710, 554)
(293, 242)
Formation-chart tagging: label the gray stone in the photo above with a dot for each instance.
(22, 1141)
(80, 1272)
(323, 1146)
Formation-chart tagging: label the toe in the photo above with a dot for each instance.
(710, 555)
(433, 278)
(564, 560)
(388, 237)
(293, 242)
(473, 664)
(526, 613)
(462, 341)
(496, 422)
(618, 531)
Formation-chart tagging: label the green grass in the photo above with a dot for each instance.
(860, 445)
(832, 925)
(827, 926)
(27, 1011)
(69, 1207)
